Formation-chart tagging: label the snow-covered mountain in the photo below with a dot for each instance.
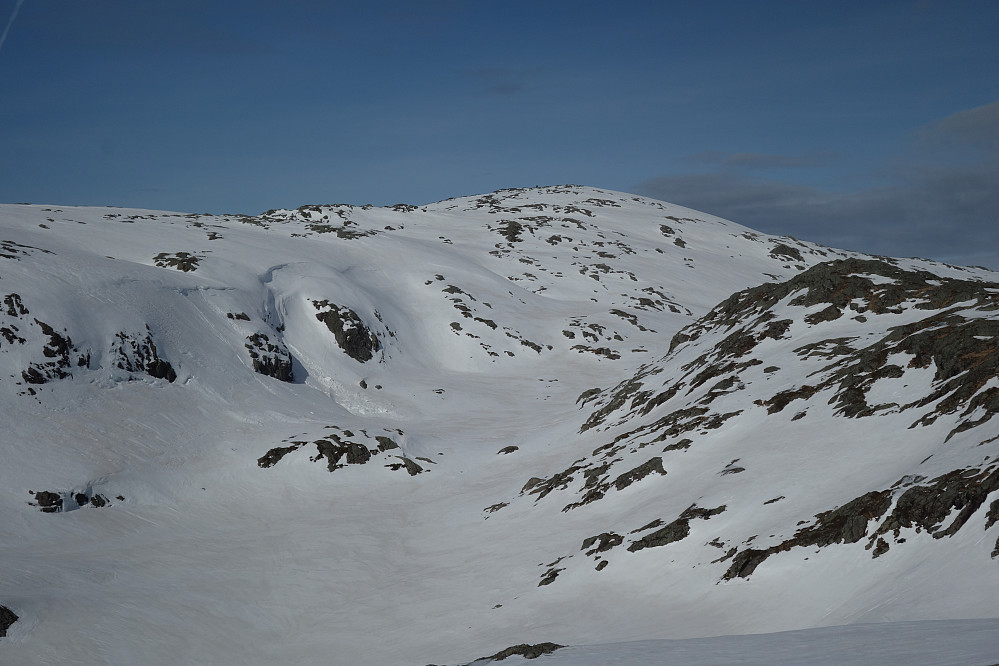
(415, 434)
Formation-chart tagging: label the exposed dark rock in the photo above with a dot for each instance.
(559, 481)
(160, 369)
(7, 618)
(846, 524)
(993, 514)
(52, 502)
(928, 506)
(385, 443)
(775, 330)
(524, 650)
(549, 576)
(782, 399)
(511, 230)
(675, 531)
(271, 359)
(353, 337)
(412, 467)
(679, 446)
(602, 542)
(655, 523)
(828, 314)
(727, 556)
(133, 354)
(786, 252)
(182, 261)
(531, 483)
(274, 456)
(58, 348)
(15, 307)
(639, 473)
(11, 250)
(732, 469)
(745, 563)
(619, 396)
(694, 511)
(509, 449)
(48, 502)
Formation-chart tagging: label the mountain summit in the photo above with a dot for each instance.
(533, 418)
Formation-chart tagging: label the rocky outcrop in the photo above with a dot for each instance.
(928, 506)
(7, 618)
(349, 331)
(55, 502)
(846, 524)
(921, 507)
(343, 447)
(523, 650)
(47, 501)
(675, 531)
(134, 354)
(271, 359)
(182, 261)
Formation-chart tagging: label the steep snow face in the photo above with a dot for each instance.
(419, 433)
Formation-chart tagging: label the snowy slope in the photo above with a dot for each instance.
(354, 435)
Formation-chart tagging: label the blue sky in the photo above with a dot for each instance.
(867, 125)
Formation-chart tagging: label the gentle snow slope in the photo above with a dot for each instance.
(406, 435)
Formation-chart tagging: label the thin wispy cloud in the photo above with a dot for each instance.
(764, 160)
(938, 200)
(10, 22)
(501, 80)
(977, 128)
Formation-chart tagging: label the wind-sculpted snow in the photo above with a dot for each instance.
(532, 418)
